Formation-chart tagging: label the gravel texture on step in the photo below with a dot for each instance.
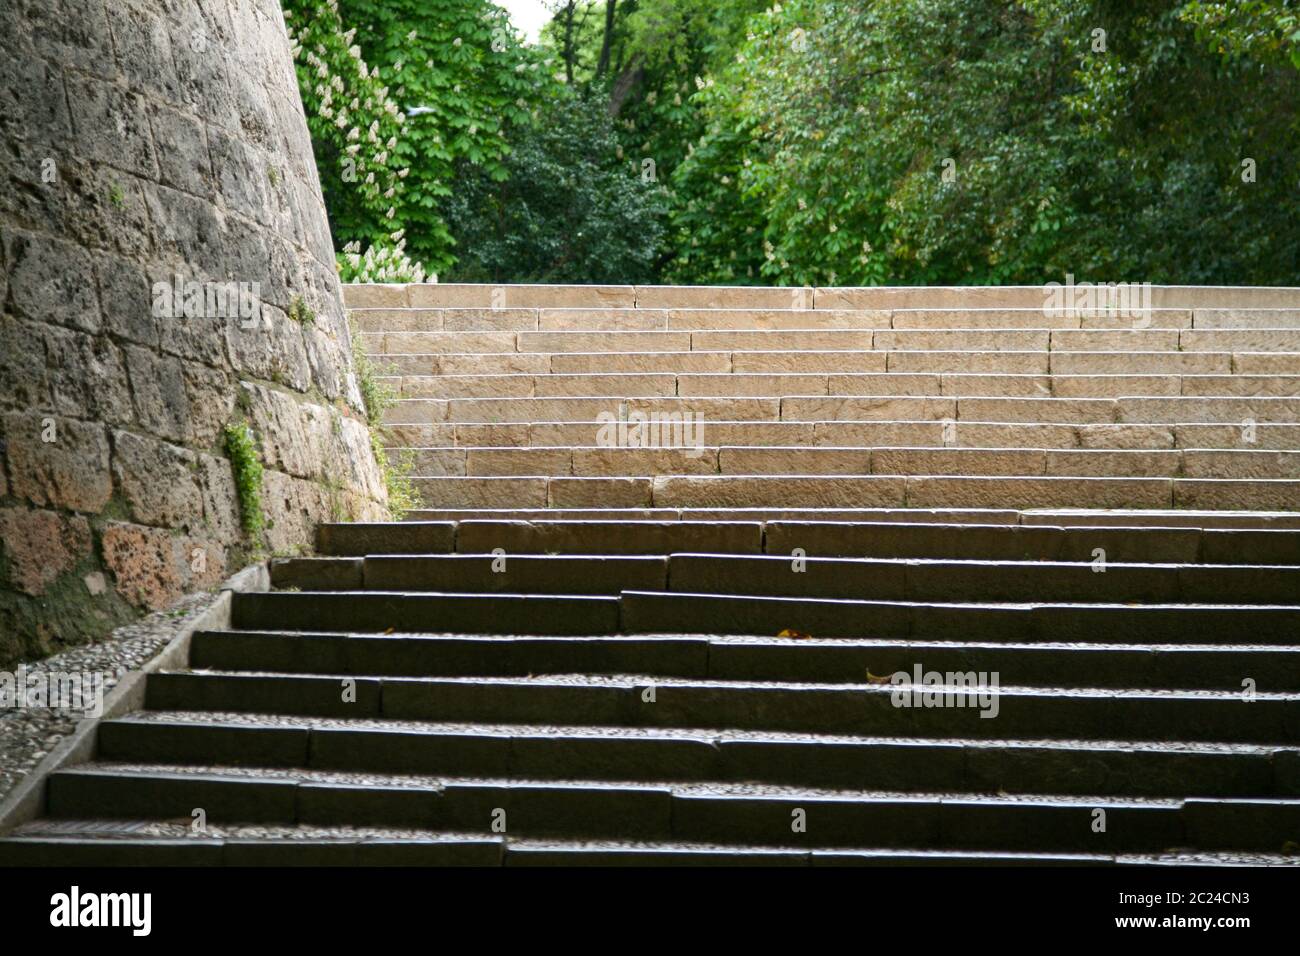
(704, 734)
(749, 640)
(128, 830)
(739, 789)
(162, 829)
(642, 681)
(27, 734)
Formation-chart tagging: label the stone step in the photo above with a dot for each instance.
(678, 811)
(470, 319)
(655, 320)
(464, 613)
(1036, 297)
(309, 846)
(486, 296)
(598, 462)
(1104, 518)
(845, 434)
(641, 700)
(882, 579)
(886, 340)
(777, 385)
(809, 760)
(1240, 411)
(1059, 362)
(663, 612)
(717, 491)
(1187, 666)
(861, 539)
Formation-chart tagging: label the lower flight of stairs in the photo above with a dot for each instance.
(490, 692)
(590, 647)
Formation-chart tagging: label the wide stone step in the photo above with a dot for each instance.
(1097, 518)
(465, 613)
(797, 575)
(863, 539)
(708, 459)
(888, 340)
(372, 846)
(1056, 362)
(902, 434)
(1188, 666)
(615, 319)
(777, 385)
(662, 612)
(856, 491)
(1243, 412)
(488, 295)
(752, 815)
(810, 760)
(834, 708)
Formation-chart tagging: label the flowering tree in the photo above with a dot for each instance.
(356, 127)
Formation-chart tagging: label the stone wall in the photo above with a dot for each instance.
(146, 142)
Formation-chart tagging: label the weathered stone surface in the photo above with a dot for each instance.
(75, 35)
(183, 158)
(241, 175)
(32, 102)
(22, 360)
(271, 349)
(71, 470)
(329, 362)
(39, 546)
(482, 492)
(144, 52)
(126, 294)
(220, 499)
(111, 125)
(212, 402)
(144, 565)
(51, 281)
(153, 143)
(293, 509)
(162, 405)
(158, 481)
(87, 376)
(295, 438)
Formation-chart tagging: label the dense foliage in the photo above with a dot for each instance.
(570, 208)
(814, 141)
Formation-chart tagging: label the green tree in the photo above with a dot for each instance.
(355, 128)
(572, 207)
(463, 79)
(980, 141)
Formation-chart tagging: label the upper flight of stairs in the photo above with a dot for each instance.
(578, 653)
(850, 399)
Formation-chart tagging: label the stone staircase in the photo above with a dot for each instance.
(914, 407)
(587, 651)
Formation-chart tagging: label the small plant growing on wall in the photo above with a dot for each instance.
(301, 312)
(394, 468)
(242, 449)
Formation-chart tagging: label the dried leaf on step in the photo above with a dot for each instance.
(876, 678)
(791, 632)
